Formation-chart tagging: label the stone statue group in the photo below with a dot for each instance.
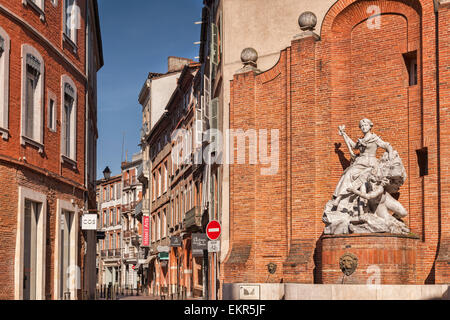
(362, 201)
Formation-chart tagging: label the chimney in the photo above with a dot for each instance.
(177, 63)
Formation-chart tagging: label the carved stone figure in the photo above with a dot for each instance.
(348, 263)
(362, 201)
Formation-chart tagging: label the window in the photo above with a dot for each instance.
(165, 176)
(32, 97)
(71, 19)
(159, 182)
(118, 190)
(158, 227)
(153, 229)
(66, 253)
(154, 186)
(164, 224)
(4, 83)
(51, 112)
(114, 216)
(410, 59)
(31, 232)
(69, 98)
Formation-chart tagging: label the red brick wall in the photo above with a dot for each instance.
(54, 67)
(382, 259)
(443, 260)
(11, 177)
(19, 21)
(351, 73)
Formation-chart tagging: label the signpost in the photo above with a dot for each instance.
(175, 241)
(199, 243)
(213, 230)
(146, 231)
(214, 246)
(89, 222)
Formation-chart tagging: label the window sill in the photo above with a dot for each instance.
(4, 133)
(70, 42)
(35, 7)
(69, 161)
(24, 140)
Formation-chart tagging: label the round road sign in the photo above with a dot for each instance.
(213, 230)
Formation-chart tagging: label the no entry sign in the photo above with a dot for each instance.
(213, 230)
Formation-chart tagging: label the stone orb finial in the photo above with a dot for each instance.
(307, 21)
(249, 56)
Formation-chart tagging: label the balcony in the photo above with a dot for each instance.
(130, 182)
(129, 255)
(128, 207)
(111, 253)
(142, 174)
(138, 208)
(193, 218)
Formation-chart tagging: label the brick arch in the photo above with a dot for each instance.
(370, 79)
(341, 6)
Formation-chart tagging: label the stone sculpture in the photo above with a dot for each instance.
(348, 263)
(362, 201)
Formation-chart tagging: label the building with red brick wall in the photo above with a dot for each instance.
(50, 53)
(388, 68)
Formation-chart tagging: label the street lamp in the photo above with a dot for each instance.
(107, 173)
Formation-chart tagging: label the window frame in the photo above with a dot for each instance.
(51, 123)
(38, 107)
(72, 157)
(68, 37)
(4, 84)
(31, 195)
(65, 206)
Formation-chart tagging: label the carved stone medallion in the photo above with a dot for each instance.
(348, 263)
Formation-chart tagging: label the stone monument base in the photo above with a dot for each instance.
(380, 259)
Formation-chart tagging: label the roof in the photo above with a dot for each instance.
(99, 33)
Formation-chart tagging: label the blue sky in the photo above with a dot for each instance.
(138, 36)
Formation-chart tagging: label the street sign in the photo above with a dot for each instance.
(146, 231)
(213, 230)
(175, 241)
(163, 256)
(199, 243)
(89, 222)
(214, 246)
(162, 248)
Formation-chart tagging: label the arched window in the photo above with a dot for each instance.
(4, 83)
(32, 98)
(68, 118)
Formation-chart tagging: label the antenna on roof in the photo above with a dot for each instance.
(123, 142)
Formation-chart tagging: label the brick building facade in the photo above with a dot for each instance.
(389, 68)
(48, 126)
